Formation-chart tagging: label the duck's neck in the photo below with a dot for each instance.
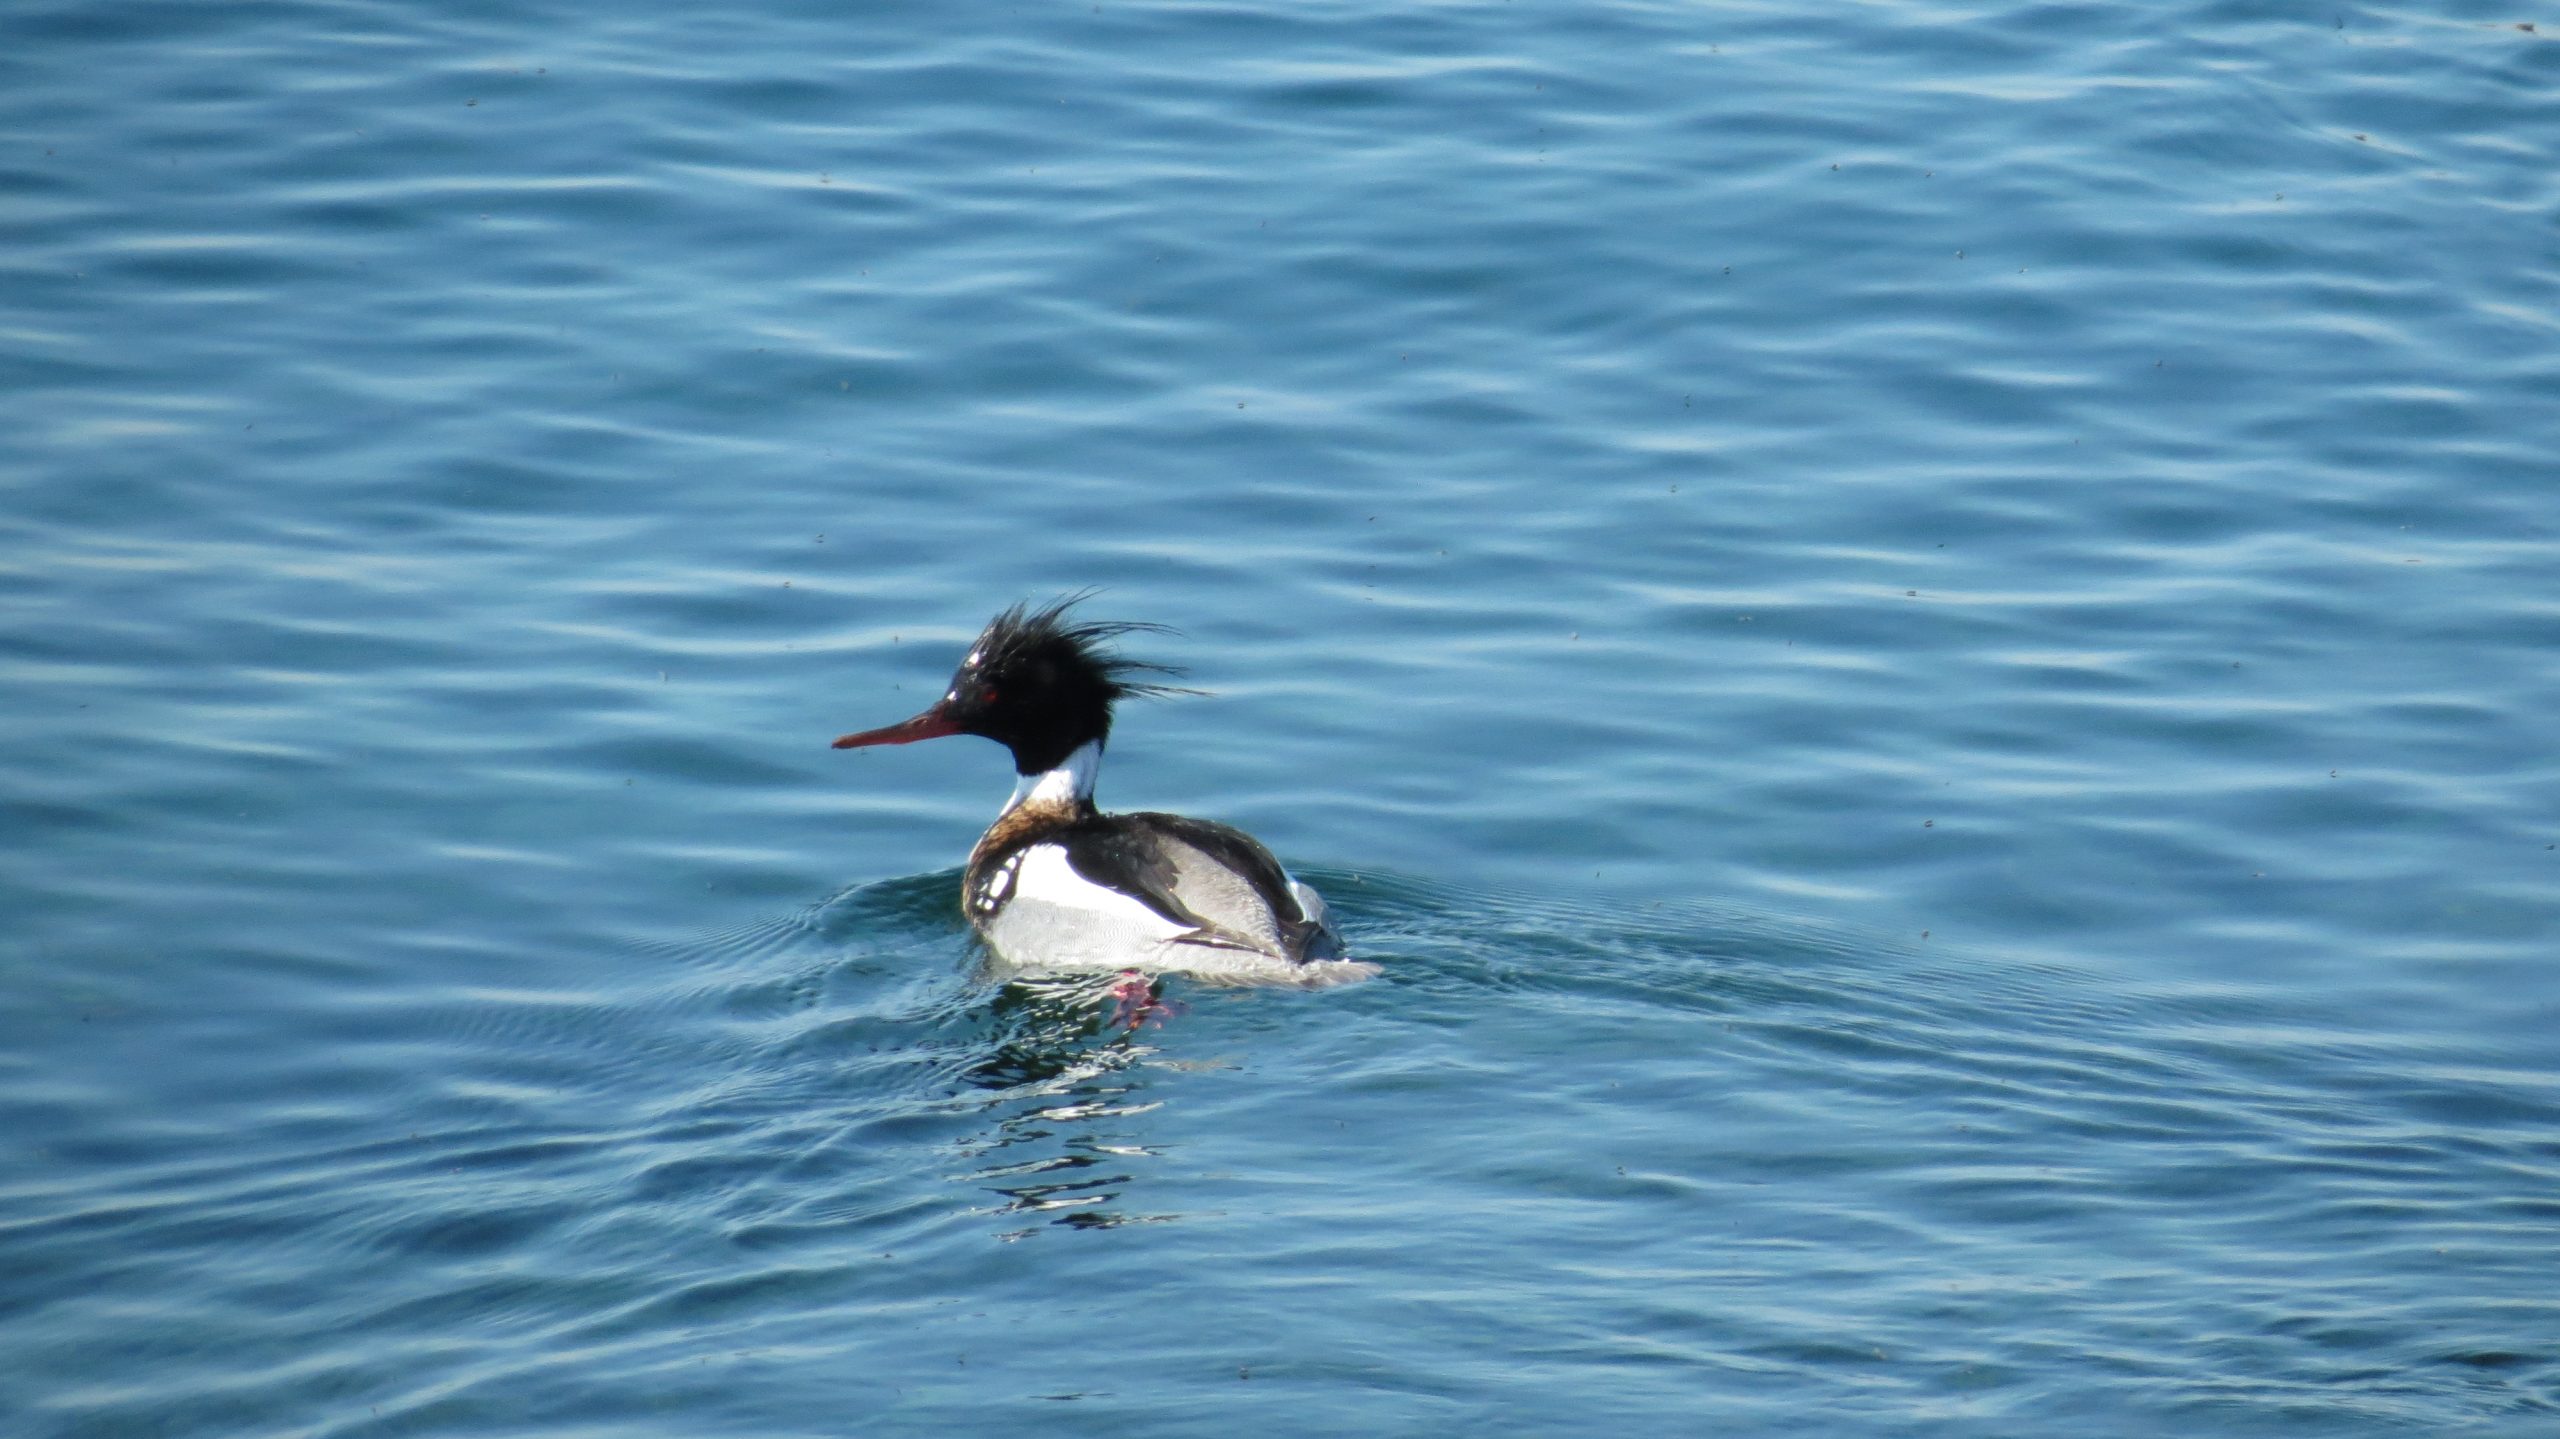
(1069, 786)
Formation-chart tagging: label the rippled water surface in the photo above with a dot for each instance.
(1922, 636)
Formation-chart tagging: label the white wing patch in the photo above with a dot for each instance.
(997, 884)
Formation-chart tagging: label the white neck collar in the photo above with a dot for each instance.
(1070, 783)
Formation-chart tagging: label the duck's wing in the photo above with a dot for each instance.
(1216, 879)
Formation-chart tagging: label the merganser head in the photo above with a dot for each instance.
(1033, 682)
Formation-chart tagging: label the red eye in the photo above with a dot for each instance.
(987, 695)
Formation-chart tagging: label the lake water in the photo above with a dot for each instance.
(1924, 637)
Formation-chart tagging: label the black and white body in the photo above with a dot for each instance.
(1055, 884)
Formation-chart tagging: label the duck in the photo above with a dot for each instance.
(1058, 887)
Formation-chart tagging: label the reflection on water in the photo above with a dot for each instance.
(1057, 1061)
(1065, 1074)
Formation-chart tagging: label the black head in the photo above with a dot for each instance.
(1034, 682)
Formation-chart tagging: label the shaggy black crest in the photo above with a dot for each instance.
(1023, 639)
(1041, 683)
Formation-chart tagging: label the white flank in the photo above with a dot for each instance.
(1058, 919)
(1060, 922)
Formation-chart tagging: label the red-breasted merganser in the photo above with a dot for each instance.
(1057, 885)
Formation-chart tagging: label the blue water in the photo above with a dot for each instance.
(1922, 635)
